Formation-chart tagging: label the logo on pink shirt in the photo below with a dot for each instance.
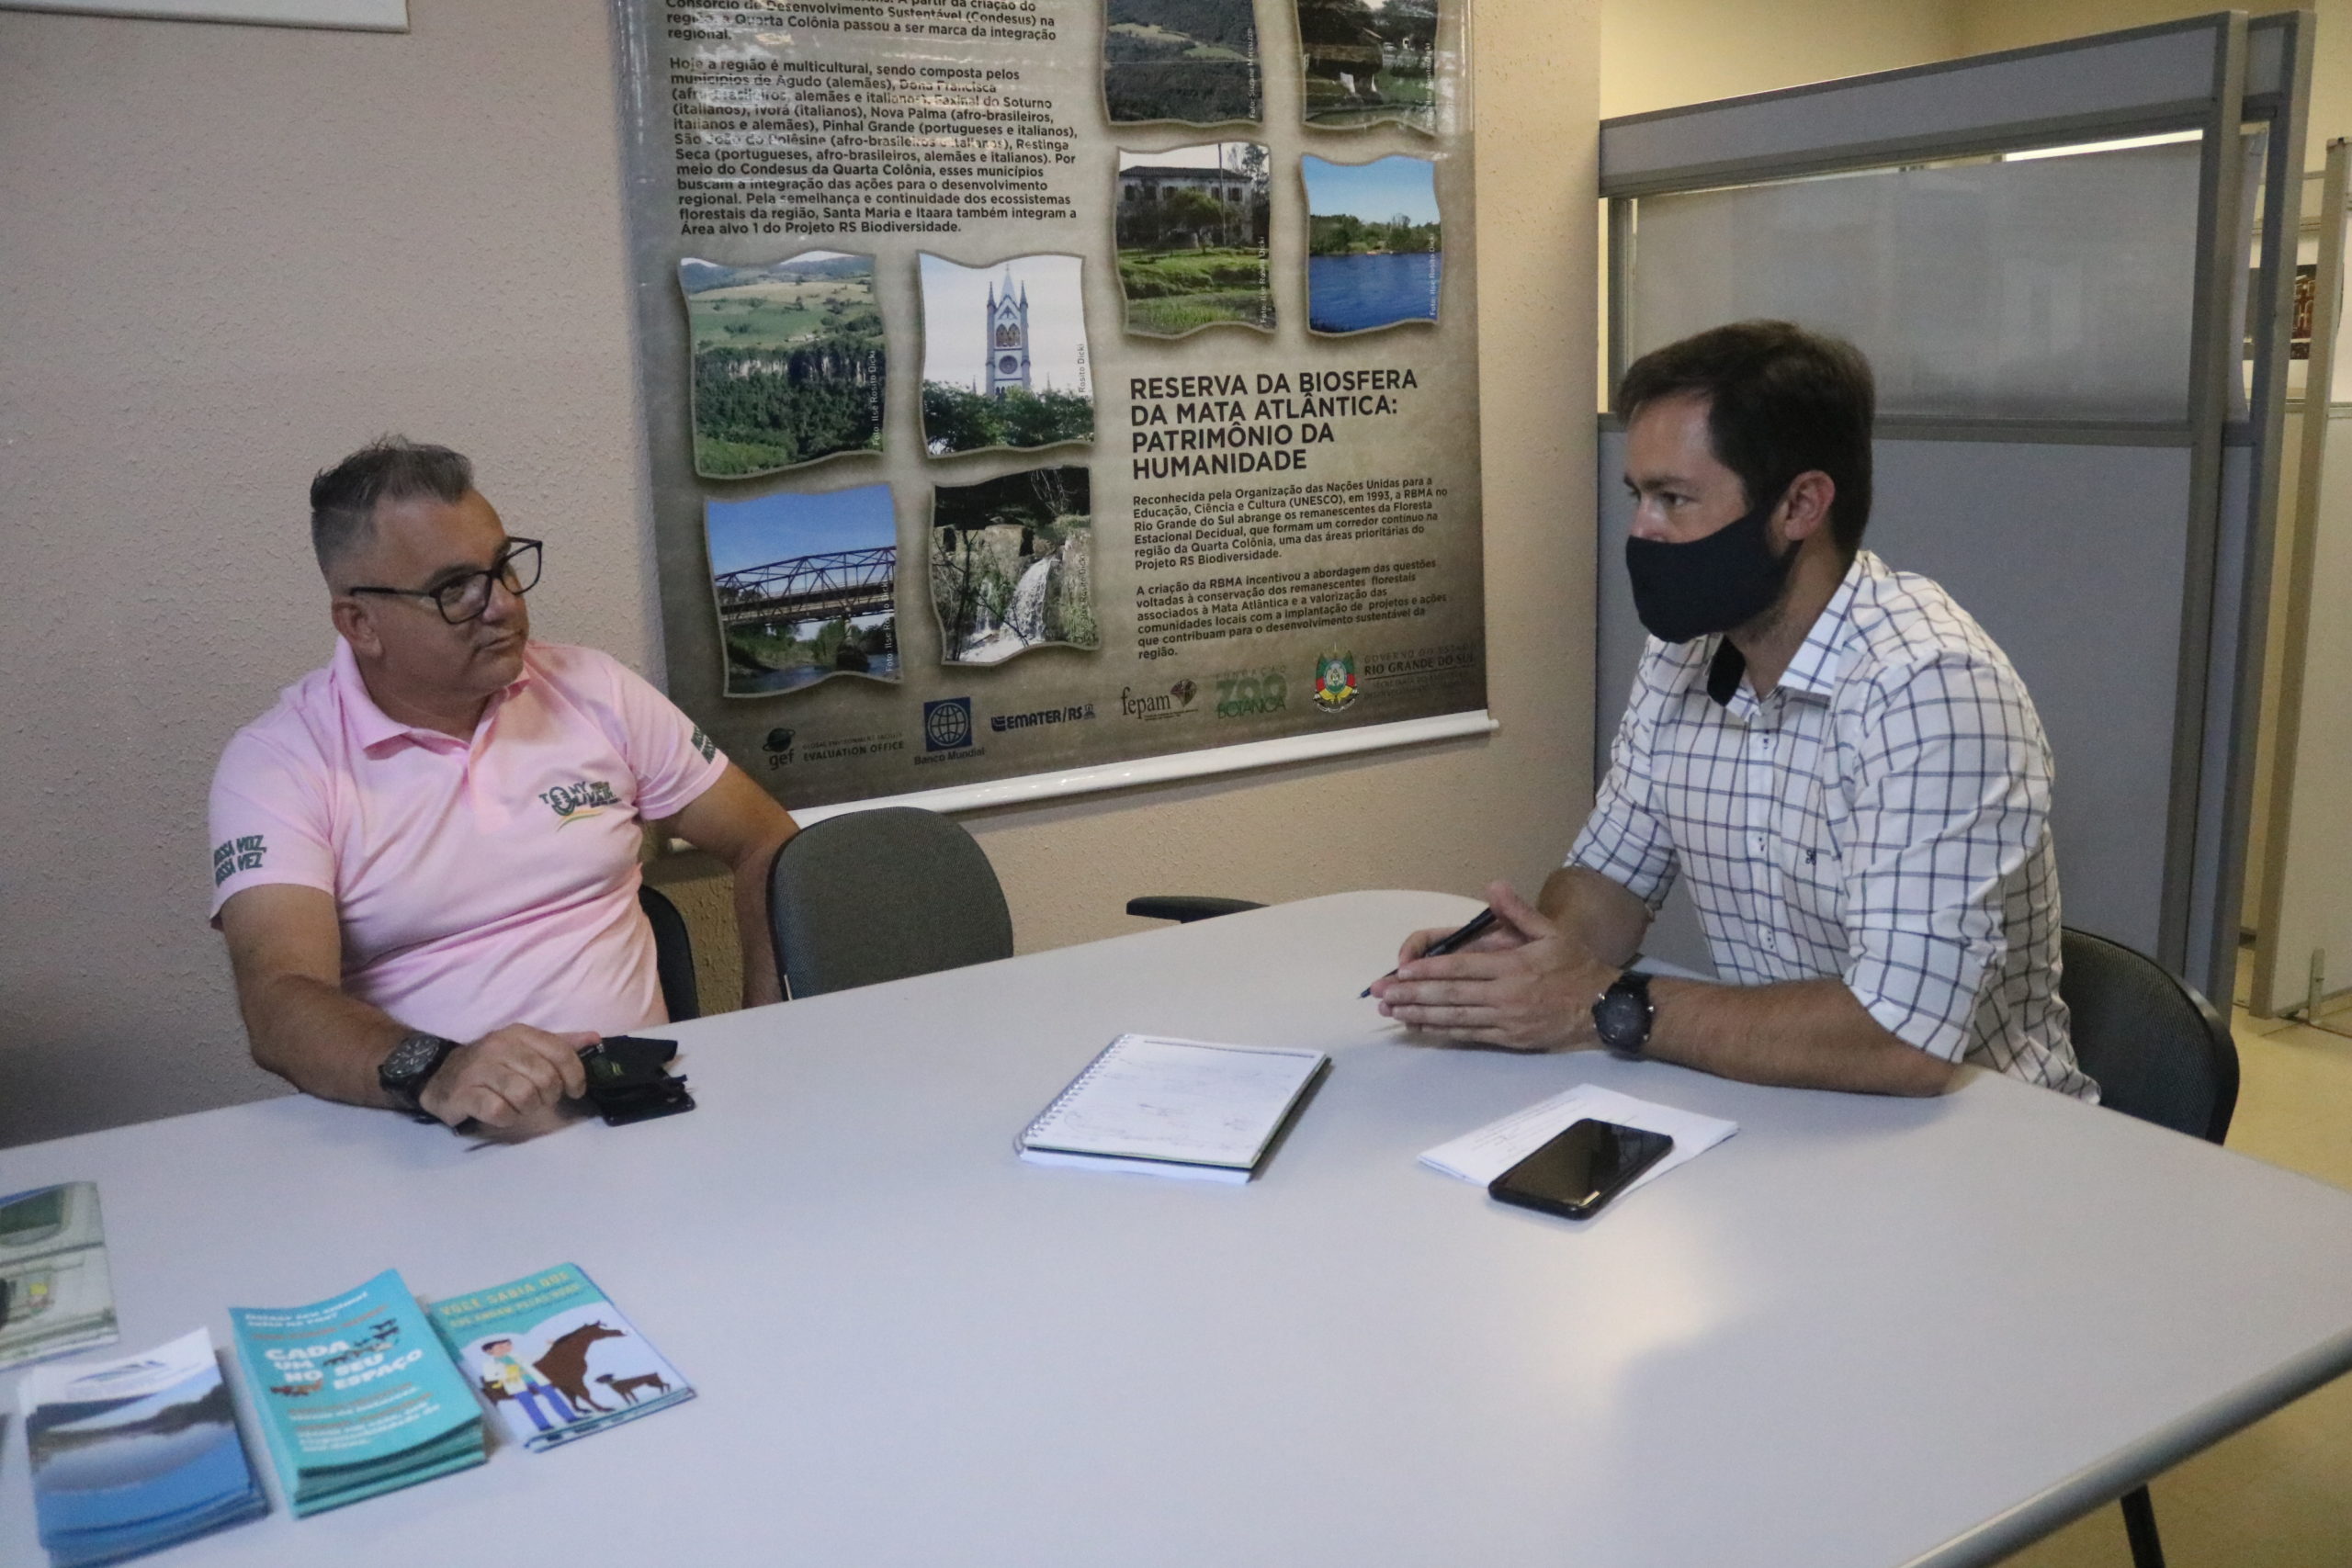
(233, 855)
(577, 802)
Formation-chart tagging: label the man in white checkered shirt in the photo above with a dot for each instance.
(1838, 756)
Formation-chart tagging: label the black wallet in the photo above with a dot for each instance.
(629, 1080)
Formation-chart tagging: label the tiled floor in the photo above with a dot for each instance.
(2278, 1495)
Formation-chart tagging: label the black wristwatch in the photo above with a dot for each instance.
(411, 1066)
(1623, 1015)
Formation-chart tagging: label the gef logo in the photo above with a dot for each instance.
(234, 855)
(577, 802)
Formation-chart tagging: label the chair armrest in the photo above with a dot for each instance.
(1186, 907)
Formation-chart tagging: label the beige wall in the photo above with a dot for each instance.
(228, 255)
(1658, 53)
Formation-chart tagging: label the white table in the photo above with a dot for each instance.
(1862, 1331)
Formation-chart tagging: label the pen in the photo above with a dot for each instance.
(1452, 942)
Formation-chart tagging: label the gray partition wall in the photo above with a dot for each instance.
(2081, 352)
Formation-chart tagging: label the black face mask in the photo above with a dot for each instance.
(1713, 584)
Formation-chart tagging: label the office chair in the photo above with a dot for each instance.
(673, 953)
(2161, 1053)
(1186, 908)
(873, 895)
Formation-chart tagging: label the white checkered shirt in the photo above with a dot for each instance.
(1882, 817)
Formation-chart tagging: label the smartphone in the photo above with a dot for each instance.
(1581, 1169)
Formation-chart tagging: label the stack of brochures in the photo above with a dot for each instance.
(135, 1455)
(356, 1395)
(1181, 1107)
(54, 1292)
(554, 1357)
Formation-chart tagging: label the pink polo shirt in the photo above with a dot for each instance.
(481, 882)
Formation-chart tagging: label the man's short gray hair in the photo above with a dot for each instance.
(389, 468)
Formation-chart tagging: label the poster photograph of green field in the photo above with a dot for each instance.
(1192, 226)
(789, 361)
(1012, 565)
(806, 588)
(1004, 360)
(1367, 60)
(1192, 61)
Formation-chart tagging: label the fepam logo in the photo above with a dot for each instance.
(947, 724)
(1335, 681)
(1174, 703)
(1250, 692)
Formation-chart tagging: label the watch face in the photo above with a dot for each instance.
(1621, 1020)
(410, 1057)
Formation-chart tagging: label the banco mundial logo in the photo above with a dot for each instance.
(947, 724)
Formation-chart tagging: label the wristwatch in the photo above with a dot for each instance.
(1623, 1015)
(411, 1066)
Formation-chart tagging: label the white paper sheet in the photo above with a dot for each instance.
(1483, 1155)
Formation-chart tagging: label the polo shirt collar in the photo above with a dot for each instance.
(373, 727)
(1814, 669)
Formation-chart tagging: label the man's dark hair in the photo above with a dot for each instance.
(389, 468)
(1780, 402)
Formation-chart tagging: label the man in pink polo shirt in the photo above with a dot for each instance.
(426, 855)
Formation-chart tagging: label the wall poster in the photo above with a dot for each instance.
(1035, 387)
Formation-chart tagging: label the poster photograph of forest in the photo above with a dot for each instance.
(1194, 61)
(1375, 254)
(1191, 231)
(1012, 565)
(1004, 356)
(789, 361)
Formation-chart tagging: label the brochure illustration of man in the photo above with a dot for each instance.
(789, 361)
(1192, 232)
(1194, 61)
(504, 1377)
(1369, 61)
(1011, 565)
(1004, 355)
(806, 588)
(1375, 254)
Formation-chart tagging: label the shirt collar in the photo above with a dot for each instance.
(1814, 669)
(374, 729)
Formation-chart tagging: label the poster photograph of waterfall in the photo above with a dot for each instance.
(1011, 565)
(1004, 361)
(789, 361)
(1368, 61)
(804, 586)
(1194, 61)
(1191, 229)
(1375, 254)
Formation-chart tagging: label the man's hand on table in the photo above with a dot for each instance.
(509, 1079)
(1523, 985)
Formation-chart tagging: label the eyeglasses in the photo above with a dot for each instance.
(464, 598)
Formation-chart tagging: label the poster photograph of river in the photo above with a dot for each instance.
(789, 361)
(1004, 355)
(1376, 251)
(1011, 565)
(805, 586)
(1194, 61)
(1191, 230)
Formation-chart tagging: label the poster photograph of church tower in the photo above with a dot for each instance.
(1004, 361)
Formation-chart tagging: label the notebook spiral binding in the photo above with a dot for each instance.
(1045, 1117)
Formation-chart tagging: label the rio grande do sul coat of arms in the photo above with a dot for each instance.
(1335, 681)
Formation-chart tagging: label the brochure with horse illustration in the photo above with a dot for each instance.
(356, 1395)
(555, 1359)
(135, 1455)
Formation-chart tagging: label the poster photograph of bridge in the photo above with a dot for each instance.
(804, 586)
(1368, 61)
(789, 361)
(1004, 360)
(1194, 61)
(1375, 254)
(1191, 231)
(1011, 565)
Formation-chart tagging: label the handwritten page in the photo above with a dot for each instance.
(1185, 1100)
(1482, 1155)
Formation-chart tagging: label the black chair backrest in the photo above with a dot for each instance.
(673, 953)
(873, 895)
(2157, 1048)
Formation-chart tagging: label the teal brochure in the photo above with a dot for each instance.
(555, 1359)
(356, 1395)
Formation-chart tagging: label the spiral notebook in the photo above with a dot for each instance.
(1183, 1108)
